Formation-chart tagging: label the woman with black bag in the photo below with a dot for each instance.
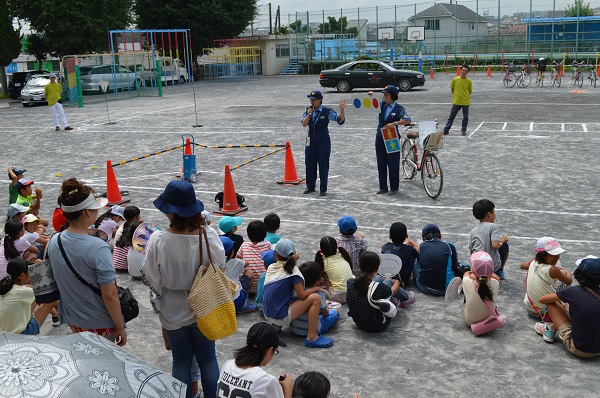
(91, 261)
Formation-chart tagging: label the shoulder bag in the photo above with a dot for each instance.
(493, 322)
(129, 305)
(386, 307)
(43, 282)
(211, 298)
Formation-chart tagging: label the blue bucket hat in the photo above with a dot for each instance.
(391, 89)
(179, 198)
(346, 224)
(227, 243)
(315, 94)
(285, 248)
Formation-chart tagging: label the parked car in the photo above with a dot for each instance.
(121, 77)
(369, 74)
(18, 80)
(176, 73)
(33, 92)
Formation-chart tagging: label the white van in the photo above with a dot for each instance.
(171, 73)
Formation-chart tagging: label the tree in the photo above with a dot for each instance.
(297, 27)
(38, 47)
(10, 44)
(585, 10)
(334, 25)
(75, 26)
(207, 20)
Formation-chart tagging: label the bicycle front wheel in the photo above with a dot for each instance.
(524, 80)
(409, 160)
(509, 80)
(542, 81)
(580, 80)
(593, 79)
(558, 80)
(432, 175)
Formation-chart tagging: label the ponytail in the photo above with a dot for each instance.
(368, 262)
(15, 268)
(289, 265)
(6, 284)
(12, 228)
(485, 293)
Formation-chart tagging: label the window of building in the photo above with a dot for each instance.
(432, 24)
(472, 26)
(282, 50)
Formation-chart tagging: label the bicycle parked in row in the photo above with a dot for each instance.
(592, 77)
(524, 79)
(555, 74)
(577, 74)
(510, 79)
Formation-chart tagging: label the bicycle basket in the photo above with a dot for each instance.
(528, 69)
(512, 68)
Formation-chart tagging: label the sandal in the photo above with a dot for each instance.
(320, 342)
(248, 307)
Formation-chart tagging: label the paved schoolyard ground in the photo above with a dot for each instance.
(531, 151)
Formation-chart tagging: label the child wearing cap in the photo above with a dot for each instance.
(14, 245)
(32, 234)
(272, 221)
(437, 264)
(108, 223)
(479, 284)
(26, 197)
(251, 251)
(244, 376)
(16, 211)
(542, 274)
(229, 225)
(335, 266)
(235, 269)
(486, 235)
(353, 242)
(282, 280)
(403, 247)
(579, 329)
(14, 175)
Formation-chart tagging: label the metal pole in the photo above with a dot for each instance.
(455, 28)
(359, 27)
(377, 23)
(498, 32)
(577, 30)
(552, 39)
(434, 30)
(476, 26)
(308, 41)
(528, 38)
(270, 21)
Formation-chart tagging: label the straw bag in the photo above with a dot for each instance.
(211, 298)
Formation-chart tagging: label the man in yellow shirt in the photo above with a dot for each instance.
(53, 92)
(461, 88)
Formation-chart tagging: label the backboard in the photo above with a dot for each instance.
(385, 33)
(415, 33)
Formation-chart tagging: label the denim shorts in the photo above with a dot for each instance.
(32, 328)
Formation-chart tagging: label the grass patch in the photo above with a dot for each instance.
(4, 96)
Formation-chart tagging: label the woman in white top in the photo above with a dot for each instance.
(244, 376)
(171, 264)
(479, 285)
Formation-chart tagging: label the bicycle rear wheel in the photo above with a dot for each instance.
(509, 80)
(432, 175)
(524, 80)
(558, 80)
(593, 79)
(542, 81)
(409, 160)
(580, 80)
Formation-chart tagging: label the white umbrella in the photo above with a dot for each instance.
(78, 365)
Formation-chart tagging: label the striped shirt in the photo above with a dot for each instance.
(119, 257)
(252, 253)
(355, 246)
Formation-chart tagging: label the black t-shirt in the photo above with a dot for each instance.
(366, 317)
(237, 241)
(407, 254)
(437, 260)
(584, 310)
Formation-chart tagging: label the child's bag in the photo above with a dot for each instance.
(493, 322)
(384, 305)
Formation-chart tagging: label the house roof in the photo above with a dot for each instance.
(460, 12)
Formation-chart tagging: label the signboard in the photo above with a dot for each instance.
(391, 139)
(11, 68)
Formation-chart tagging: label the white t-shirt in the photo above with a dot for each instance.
(252, 382)
(135, 260)
(475, 309)
(31, 237)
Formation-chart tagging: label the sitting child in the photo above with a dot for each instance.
(34, 233)
(272, 222)
(486, 235)
(121, 250)
(14, 245)
(235, 270)
(542, 274)
(312, 275)
(244, 376)
(109, 222)
(367, 317)
(579, 330)
(229, 226)
(311, 385)
(336, 267)
(282, 280)
(251, 251)
(479, 284)
(17, 301)
(403, 247)
(268, 259)
(354, 243)
(14, 175)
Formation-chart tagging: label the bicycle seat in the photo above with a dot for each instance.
(412, 134)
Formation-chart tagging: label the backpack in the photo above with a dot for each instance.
(219, 199)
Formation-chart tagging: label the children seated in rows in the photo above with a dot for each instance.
(486, 236)
(353, 242)
(437, 263)
(236, 270)
(579, 329)
(251, 251)
(336, 267)
(403, 247)
(282, 280)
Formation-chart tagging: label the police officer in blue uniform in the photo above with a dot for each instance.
(318, 144)
(391, 115)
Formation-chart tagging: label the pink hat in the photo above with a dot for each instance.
(549, 245)
(482, 264)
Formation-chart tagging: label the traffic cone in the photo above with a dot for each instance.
(431, 75)
(458, 71)
(489, 72)
(113, 194)
(289, 172)
(230, 202)
(597, 72)
(187, 150)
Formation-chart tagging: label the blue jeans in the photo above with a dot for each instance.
(400, 294)
(187, 342)
(453, 112)
(422, 287)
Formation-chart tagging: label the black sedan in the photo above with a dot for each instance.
(369, 74)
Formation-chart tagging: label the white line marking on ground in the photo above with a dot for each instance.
(562, 127)
(531, 126)
(584, 127)
(504, 126)
(474, 131)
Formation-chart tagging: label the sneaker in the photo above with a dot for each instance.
(56, 128)
(410, 301)
(543, 329)
(249, 307)
(68, 128)
(55, 320)
(500, 274)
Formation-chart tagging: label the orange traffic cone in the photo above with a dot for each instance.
(458, 71)
(113, 194)
(431, 75)
(187, 150)
(489, 72)
(289, 172)
(597, 72)
(231, 206)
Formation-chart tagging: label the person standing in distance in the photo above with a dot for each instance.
(53, 92)
(318, 143)
(391, 115)
(461, 88)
